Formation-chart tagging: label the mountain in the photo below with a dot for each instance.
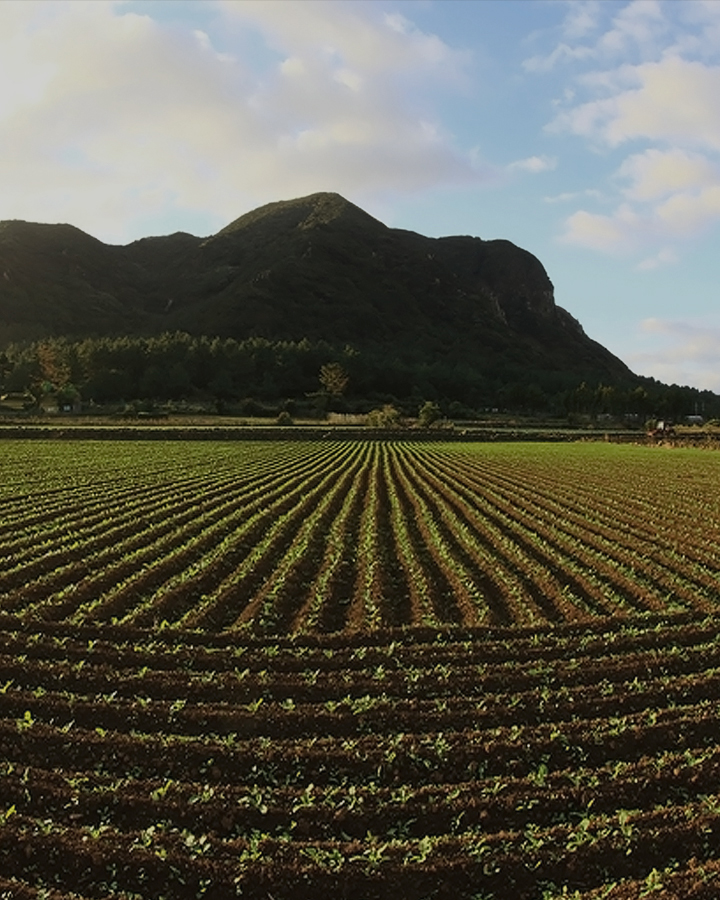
(317, 267)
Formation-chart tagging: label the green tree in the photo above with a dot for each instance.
(387, 417)
(429, 414)
(333, 379)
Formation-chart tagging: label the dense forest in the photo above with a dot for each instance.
(262, 375)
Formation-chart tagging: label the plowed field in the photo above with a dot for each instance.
(362, 670)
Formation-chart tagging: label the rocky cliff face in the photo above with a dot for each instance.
(316, 267)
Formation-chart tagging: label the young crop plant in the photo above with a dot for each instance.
(485, 666)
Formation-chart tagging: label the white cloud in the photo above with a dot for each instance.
(562, 53)
(356, 33)
(674, 100)
(664, 257)
(633, 228)
(668, 191)
(637, 29)
(533, 164)
(670, 195)
(571, 196)
(679, 351)
(685, 214)
(109, 118)
(582, 17)
(621, 233)
(657, 173)
(700, 34)
(641, 24)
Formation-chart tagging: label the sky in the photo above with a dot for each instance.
(585, 131)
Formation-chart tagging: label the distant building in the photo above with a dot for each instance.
(17, 400)
(66, 400)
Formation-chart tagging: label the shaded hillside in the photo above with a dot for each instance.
(315, 268)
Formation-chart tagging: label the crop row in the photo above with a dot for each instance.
(298, 538)
(361, 669)
(551, 760)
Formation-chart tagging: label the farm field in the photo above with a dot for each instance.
(291, 670)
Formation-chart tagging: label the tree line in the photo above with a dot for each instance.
(178, 366)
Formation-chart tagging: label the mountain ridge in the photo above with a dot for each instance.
(317, 268)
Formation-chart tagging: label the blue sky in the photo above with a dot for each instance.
(586, 131)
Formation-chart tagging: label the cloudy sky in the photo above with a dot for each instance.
(586, 131)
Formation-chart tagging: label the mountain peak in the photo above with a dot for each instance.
(38, 233)
(314, 210)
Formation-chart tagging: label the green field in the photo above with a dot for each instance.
(295, 537)
(369, 669)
